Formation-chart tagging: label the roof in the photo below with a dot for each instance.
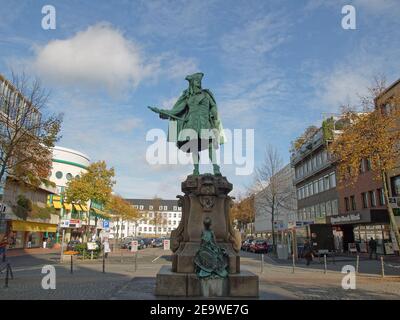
(72, 151)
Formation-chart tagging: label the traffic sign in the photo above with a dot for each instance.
(134, 246)
(166, 244)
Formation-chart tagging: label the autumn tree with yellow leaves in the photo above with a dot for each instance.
(372, 134)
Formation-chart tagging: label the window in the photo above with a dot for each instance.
(165, 208)
(323, 209)
(315, 186)
(368, 164)
(332, 180)
(395, 184)
(326, 183)
(312, 212)
(298, 194)
(324, 156)
(328, 208)
(364, 197)
(169, 215)
(175, 208)
(319, 159)
(160, 207)
(362, 166)
(353, 203)
(305, 191)
(314, 161)
(140, 229)
(145, 229)
(174, 215)
(69, 176)
(381, 197)
(310, 189)
(373, 198)
(346, 203)
(179, 208)
(141, 207)
(151, 215)
(309, 167)
(334, 207)
(321, 185)
(59, 175)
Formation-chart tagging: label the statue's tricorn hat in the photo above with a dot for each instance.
(195, 76)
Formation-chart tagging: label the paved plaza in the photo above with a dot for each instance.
(120, 280)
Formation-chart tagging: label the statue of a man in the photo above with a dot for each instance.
(194, 122)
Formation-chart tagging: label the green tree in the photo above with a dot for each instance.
(374, 135)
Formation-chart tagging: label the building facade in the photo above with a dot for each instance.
(316, 188)
(285, 213)
(158, 218)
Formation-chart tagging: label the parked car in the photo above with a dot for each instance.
(147, 242)
(246, 244)
(259, 246)
(71, 246)
(157, 243)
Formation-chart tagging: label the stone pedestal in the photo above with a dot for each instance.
(204, 196)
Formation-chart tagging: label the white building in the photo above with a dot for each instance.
(285, 209)
(78, 220)
(168, 215)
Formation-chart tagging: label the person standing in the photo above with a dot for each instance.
(308, 252)
(372, 248)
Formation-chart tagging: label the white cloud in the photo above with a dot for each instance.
(102, 56)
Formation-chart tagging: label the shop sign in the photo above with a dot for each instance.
(91, 246)
(389, 248)
(64, 224)
(279, 225)
(347, 218)
(300, 224)
(74, 223)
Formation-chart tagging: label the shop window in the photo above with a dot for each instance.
(328, 208)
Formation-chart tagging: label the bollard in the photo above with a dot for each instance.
(325, 266)
(7, 275)
(4, 255)
(262, 263)
(104, 263)
(72, 264)
(83, 255)
(135, 261)
(91, 255)
(383, 267)
(357, 263)
(121, 255)
(293, 263)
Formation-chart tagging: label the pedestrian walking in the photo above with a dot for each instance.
(372, 244)
(308, 252)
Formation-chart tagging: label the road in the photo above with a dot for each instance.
(121, 281)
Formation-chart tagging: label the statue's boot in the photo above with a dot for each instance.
(216, 170)
(196, 171)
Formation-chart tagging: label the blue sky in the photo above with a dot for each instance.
(273, 66)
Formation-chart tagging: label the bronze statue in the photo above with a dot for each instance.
(196, 123)
(210, 259)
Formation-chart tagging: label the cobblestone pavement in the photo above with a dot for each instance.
(121, 281)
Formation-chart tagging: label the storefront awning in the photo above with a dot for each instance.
(33, 226)
(68, 206)
(77, 207)
(57, 204)
(84, 208)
